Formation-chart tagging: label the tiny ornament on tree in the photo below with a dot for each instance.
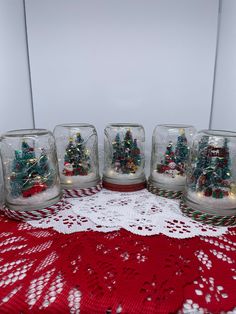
(30, 170)
(170, 153)
(211, 185)
(77, 151)
(124, 157)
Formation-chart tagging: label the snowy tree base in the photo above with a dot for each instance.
(111, 176)
(36, 201)
(168, 182)
(79, 182)
(225, 206)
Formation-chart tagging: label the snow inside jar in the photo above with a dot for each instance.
(124, 157)
(211, 179)
(30, 169)
(77, 149)
(170, 153)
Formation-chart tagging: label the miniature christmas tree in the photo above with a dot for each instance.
(126, 154)
(169, 162)
(27, 151)
(117, 153)
(82, 164)
(76, 160)
(181, 151)
(212, 173)
(224, 163)
(169, 155)
(135, 153)
(30, 175)
(18, 174)
(44, 168)
(128, 140)
(202, 160)
(70, 152)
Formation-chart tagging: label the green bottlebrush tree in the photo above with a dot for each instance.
(77, 159)
(117, 149)
(118, 153)
(70, 152)
(30, 175)
(44, 168)
(215, 178)
(128, 140)
(135, 153)
(224, 163)
(27, 151)
(181, 150)
(82, 164)
(18, 174)
(126, 154)
(202, 161)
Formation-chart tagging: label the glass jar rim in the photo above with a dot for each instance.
(219, 133)
(125, 125)
(75, 125)
(175, 126)
(26, 132)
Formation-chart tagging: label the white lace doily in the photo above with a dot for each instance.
(139, 212)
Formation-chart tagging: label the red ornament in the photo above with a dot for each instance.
(208, 192)
(226, 193)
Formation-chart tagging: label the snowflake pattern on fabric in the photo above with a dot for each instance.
(138, 212)
(43, 271)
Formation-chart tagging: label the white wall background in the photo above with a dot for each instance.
(15, 101)
(224, 113)
(102, 61)
(145, 61)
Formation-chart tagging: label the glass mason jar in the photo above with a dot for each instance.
(124, 157)
(77, 149)
(30, 169)
(170, 153)
(2, 195)
(211, 176)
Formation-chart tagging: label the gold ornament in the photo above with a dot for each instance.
(181, 131)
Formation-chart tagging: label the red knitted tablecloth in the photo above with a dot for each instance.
(43, 271)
